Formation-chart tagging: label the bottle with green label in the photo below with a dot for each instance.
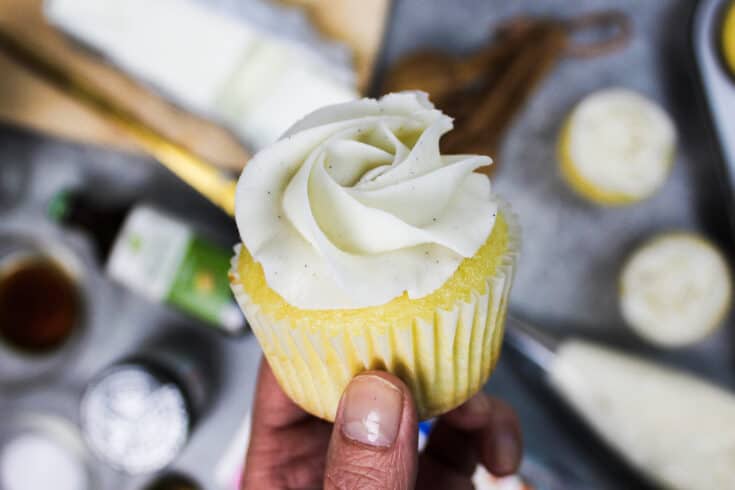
(156, 255)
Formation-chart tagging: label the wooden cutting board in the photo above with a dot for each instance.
(359, 24)
(28, 101)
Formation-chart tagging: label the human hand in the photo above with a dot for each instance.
(373, 442)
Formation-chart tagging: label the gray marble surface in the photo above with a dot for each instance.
(571, 250)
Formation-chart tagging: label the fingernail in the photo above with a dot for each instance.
(507, 451)
(372, 411)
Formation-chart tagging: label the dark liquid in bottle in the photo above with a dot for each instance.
(39, 306)
(173, 482)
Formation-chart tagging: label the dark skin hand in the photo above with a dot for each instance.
(372, 444)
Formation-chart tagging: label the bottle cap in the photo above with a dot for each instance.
(173, 481)
(58, 206)
(33, 441)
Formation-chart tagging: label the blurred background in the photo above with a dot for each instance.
(124, 362)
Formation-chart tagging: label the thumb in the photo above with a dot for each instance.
(374, 440)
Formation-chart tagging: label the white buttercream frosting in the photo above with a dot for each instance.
(355, 205)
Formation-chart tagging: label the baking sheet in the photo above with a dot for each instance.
(718, 85)
(572, 250)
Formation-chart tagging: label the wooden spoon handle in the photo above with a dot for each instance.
(497, 104)
(204, 177)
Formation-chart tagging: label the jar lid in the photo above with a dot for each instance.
(30, 441)
(135, 419)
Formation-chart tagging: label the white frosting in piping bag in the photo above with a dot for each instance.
(355, 205)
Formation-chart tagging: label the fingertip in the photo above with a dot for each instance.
(479, 405)
(272, 407)
(389, 378)
(409, 414)
(498, 429)
(371, 411)
(376, 422)
(503, 447)
(504, 452)
(474, 414)
(266, 379)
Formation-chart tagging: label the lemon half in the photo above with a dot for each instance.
(675, 290)
(616, 147)
(728, 37)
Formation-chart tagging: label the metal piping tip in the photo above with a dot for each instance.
(538, 347)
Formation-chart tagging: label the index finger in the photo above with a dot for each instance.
(287, 446)
(484, 429)
(273, 409)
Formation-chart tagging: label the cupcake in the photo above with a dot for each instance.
(365, 248)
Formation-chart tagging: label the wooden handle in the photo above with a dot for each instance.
(491, 111)
(204, 177)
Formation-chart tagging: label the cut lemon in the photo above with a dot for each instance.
(728, 37)
(616, 147)
(675, 290)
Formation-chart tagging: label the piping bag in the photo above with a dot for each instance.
(676, 429)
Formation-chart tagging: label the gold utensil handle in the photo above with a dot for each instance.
(205, 178)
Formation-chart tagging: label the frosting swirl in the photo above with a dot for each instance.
(355, 205)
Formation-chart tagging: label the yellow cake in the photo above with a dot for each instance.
(441, 336)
